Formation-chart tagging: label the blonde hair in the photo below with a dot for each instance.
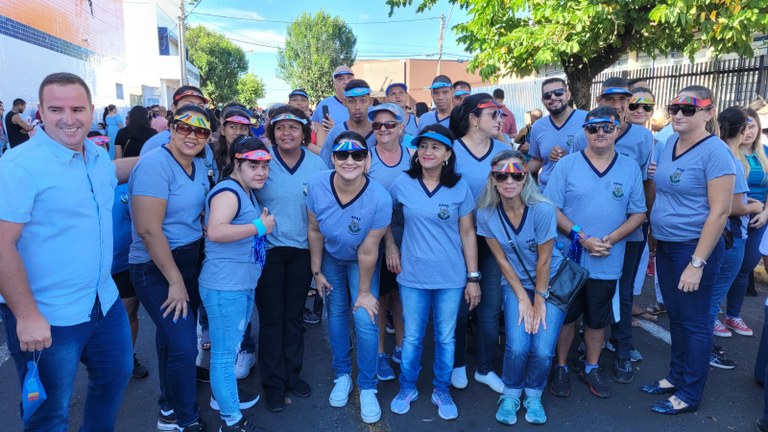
(756, 146)
(490, 198)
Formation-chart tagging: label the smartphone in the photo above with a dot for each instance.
(325, 111)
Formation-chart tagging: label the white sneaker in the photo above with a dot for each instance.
(341, 390)
(243, 364)
(459, 378)
(369, 406)
(491, 380)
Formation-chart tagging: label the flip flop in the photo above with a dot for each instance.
(656, 309)
(646, 316)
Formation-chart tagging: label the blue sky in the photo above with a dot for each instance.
(395, 38)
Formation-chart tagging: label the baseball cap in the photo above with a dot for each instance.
(390, 107)
(298, 92)
(615, 91)
(185, 91)
(342, 70)
(393, 85)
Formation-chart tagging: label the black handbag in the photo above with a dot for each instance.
(565, 285)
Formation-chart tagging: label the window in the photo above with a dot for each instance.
(119, 91)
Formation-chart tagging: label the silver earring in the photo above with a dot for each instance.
(445, 162)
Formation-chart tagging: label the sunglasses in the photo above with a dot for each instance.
(646, 107)
(503, 176)
(688, 110)
(387, 125)
(556, 92)
(606, 127)
(357, 156)
(185, 129)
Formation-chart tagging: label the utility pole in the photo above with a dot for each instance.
(440, 44)
(182, 43)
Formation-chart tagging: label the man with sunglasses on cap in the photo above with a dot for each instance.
(397, 93)
(336, 108)
(442, 97)
(357, 97)
(558, 131)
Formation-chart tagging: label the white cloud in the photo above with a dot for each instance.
(244, 34)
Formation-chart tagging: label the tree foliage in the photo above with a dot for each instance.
(315, 45)
(220, 61)
(250, 89)
(586, 36)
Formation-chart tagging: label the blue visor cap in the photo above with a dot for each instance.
(298, 93)
(357, 91)
(348, 146)
(431, 135)
(343, 72)
(460, 93)
(600, 120)
(440, 84)
(615, 91)
(393, 85)
(287, 116)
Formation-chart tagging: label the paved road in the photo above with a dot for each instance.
(732, 400)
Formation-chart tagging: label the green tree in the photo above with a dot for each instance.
(220, 61)
(315, 45)
(585, 37)
(250, 89)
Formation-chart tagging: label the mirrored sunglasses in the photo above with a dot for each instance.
(556, 92)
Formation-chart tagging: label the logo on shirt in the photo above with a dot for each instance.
(532, 246)
(444, 214)
(354, 225)
(676, 177)
(124, 198)
(305, 188)
(569, 140)
(618, 191)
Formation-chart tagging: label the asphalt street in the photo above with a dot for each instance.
(732, 399)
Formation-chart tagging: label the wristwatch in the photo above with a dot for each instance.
(697, 262)
(544, 295)
(474, 275)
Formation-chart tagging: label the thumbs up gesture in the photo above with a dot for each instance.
(268, 220)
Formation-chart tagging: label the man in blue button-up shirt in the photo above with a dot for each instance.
(59, 303)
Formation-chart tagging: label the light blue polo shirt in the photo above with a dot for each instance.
(474, 169)
(598, 203)
(64, 200)
(681, 206)
(285, 195)
(164, 137)
(431, 117)
(385, 175)
(231, 266)
(737, 225)
(538, 226)
(121, 229)
(325, 152)
(159, 175)
(412, 127)
(336, 108)
(431, 253)
(344, 227)
(545, 136)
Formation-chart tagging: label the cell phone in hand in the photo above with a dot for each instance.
(325, 112)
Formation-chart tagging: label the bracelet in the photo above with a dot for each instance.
(473, 279)
(585, 238)
(260, 228)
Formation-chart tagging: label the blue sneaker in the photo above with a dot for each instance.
(397, 356)
(401, 404)
(534, 410)
(384, 370)
(446, 409)
(508, 407)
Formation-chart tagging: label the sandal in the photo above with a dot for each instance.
(646, 316)
(656, 309)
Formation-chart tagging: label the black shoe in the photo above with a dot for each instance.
(666, 407)
(198, 426)
(720, 361)
(390, 323)
(597, 386)
(560, 384)
(622, 371)
(203, 374)
(242, 426)
(275, 402)
(310, 317)
(301, 389)
(139, 370)
(657, 389)
(719, 350)
(166, 420)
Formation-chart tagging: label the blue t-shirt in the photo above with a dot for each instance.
(431, 117)
(285, 195)
(663, 135)
(231, 266)
(336, 108)
(538, 226)
(345, 226)
(385, 175)
(432, 256)
(474, 169)
(412, 127)
(681, 205)
(757, 180)
(159, 175)
(121, 229)
(164, 137)
(598, 203)
(325, 152)
(545, 136)
(737, 225)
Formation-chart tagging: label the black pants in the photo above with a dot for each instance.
(280, 297)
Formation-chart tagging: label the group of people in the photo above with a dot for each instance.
(454, 212)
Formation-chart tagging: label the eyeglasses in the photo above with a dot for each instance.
(688, 110)
(503, 176)
(357, 156)
(646, 107)
(556, 92)
(605, 127)
(387, 125)
(186, 129)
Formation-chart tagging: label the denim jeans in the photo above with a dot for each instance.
(416, 304)
(622, 330)
(729, 268)
(102, 344)
(690, 325)
(344, 277)
(528, 357)
(176, 342)
(751, 258)
(761, 365)
(228, 313)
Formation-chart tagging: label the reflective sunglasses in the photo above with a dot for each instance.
(646, 107)
(503, 176)
(357, 156)
(606, 127)
(688, 110)
(185, 129)
(387, 125)
(556, 92)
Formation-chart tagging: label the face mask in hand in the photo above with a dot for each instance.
(32, 391)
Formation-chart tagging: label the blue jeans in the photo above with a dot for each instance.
(622, 330)
(344, 277)
(176, 342)
(690, 325)
(751, 258)
(102, 344)
(528, 357)
(228, 314)
(416, 304)
(729, 268)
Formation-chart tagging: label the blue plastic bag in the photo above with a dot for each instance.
(32, 391)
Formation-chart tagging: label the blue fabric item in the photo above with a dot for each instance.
(432, 135)
(336, 109)
(164, 138)
(345, 226)
(431, 237)
(386, 175)
(121, 229)
(411, 127)
(600, 120)
(460, 92)
(663, 135)
(287, 116)
(615, 90)
(752, 256)
(357, 91)
(64, 200)
(298, 92)
(545, 136)
(389, 107)
(393, 85)
(729, 268)
(113, 126)
(737, 225)
(325, 152)
(681, 205)
(430, 117)
(159, 175)
(474, 169)
(599, 208)
(758, 180)
(440, 84)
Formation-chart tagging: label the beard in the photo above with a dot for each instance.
(559, 110)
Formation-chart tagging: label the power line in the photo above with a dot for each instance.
(291, 22)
